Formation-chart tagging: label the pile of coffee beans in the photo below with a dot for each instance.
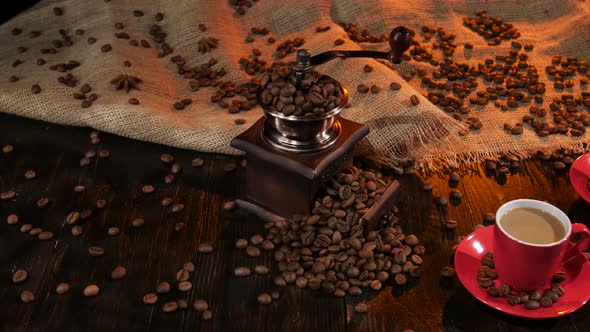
(319, 95)
(206, 44)
(329, 250)
(289, 46)
(486, 275)
(362, 35)
(493, 29)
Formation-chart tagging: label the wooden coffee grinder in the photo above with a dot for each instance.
(289, 158)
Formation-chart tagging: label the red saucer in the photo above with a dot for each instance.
(579, 173)
(468, 260)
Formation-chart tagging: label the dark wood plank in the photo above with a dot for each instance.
(155, 252)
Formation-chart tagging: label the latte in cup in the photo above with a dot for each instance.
(532, 225)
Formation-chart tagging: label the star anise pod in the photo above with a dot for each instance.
(206, 44)
(126, 82)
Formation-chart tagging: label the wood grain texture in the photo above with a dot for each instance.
(155, 252)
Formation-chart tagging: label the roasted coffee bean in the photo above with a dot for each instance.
(205, 248)
(394, 86)
(207, 315)
(375, 89)
(12, 219)
(185, 286)
(229, 167)
(229, 205)
(447, 272)
(113, 231)
(62, 288)
(559, 277)
(42, 202)
(133, 101)
(30, 174)
(535, 296)
(118, 273)
(91, 290)
(36, 89)
(367, 68)
(95, 251)
(27, 296)
(252, 251)
(166, 158)
(45, 235)
(148, 189)
(79, 189)
(137, 222)
(179, 207)
(532, 304)
(7, 148)
(72, 217)
(35, 231)
(19, 276)
(455, 195)
(26, 228)
(86, 104)
(200, 305)
(256, 239)
(338, 42)
(77, 230)
(400, 279)
(301, 282)
(163, 287)
(264, 298)
(242, 271)
(280, 281)
(198, 162)
(414, 99)
(182, 275)
(170, 306)
(493, 291)
(176, 168)
(150, 298)
(361, 88)
(241, 243)
(442, 200)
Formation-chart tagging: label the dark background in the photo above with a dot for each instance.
(9, 9)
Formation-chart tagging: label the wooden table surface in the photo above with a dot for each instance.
(155, 252)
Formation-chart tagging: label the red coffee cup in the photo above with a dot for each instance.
(528, 266)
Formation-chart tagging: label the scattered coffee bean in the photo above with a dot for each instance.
(229, 205)
(101, 203)
(163, 287)
(133, 101)
(137, 222)
(36, 89)
(375, 89)
(19, 276)
(450, 224)
(177, 208)
(189, 267)
(182, 275)
(447, 272)
(42, 202)
(45, 235)
(25, 228)
(79, 189)
(260, 269)
(338, 42)
(148, 189)
(205, 248)
(12, 219)
(230, 167)
(176, 168)
(185, 286)
(170, 306)
(166, 201)
(455, 195)
(394, 86)
(166, 158)
(95, 251)
(7, 148)
(77, 230)
(30, 174)
(106, 48)
(264, 298)
(207, 315)
(414, 99)
(35, 231)
(113, 231)
(200, 305)
(559, 277)
(242, 271)
(252, 251)
(489, 219)
(91, 290)
(361, 88)
(198, 162)
(62, 288)
(27, 296)
(442, 200)
(150, 298)
(118, 273)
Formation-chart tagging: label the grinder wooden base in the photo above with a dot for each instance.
(286, 183)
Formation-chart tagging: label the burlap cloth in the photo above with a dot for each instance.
(398, 129)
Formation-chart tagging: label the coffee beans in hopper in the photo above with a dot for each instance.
(320, 95)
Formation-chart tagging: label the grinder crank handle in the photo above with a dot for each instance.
(399, 42)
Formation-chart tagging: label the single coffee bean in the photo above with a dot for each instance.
(62, 288)
(29, 175)
(106, 48)
(260, 269)
(264, 298)
(182, 304)
(241, 243)
(361, 308)
(8, 195)
(182, 275)
(207, 315)
(400, 279)
(454, 177)
(301, 282)
(150, 298)
(361, 88)
(355, 291)
(101, 203)
(35, 231)
(394, 86)
(133, 101)
(79, 189)
(504, 290)
(535, 296)
(256, 239)
(442, 200)
(179, 207)
(229, 205)
(7, 148)
(45, 235)
(95, 251)
(118, 273)
(36, 89)
(546, 301)
(170, 306)
(198, 162)
(200, 305)
(77, 230)
(274, 295)
(12, 219)
(489, 219)
(42, 202)
(163, 287)
(72, 217)
(148, 189)
(166, 158)
(279, 281)
(455, 195)
(113, 231)
(205, 248)
(91, 290)
(552, 295)
(27, 296)
(185, 286)
(532, 305)
(137, 222)
(242, 271)
(252, 251)
(176, 168)
(447, 272)
(19, 276)
(230, 167)
(559, 277)
(414, 99)
(26, 228)
(493, 291)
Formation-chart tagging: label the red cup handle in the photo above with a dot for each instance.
(576, 248)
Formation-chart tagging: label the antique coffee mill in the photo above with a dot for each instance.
(289, 157)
